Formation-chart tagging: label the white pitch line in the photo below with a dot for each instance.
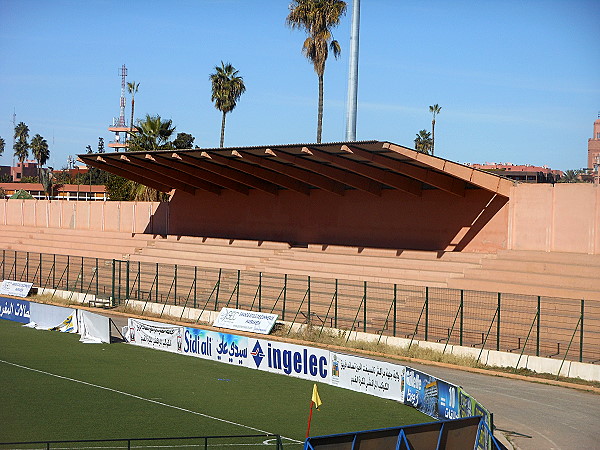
(145, 399)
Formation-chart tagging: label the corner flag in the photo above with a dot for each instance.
(315, 397)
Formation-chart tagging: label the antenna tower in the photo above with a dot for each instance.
(14, 126)
(123, 75)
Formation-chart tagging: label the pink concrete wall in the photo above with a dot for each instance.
(564, 217)
(134, 217)
(435, 221)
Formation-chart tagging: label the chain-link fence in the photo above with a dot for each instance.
(526, 324)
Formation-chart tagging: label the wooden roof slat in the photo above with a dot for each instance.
(268, 175)
(312, 179)
(351, 179)
(435, 179)
(483, 180)
(227, 172)
(402, 183)
(102, 164)
(149, 162)
(174, 161)
(149, 173)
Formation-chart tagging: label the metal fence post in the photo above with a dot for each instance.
(97, 276)
(395, 309)
(581, 332)
(284, 295)
(113, 282)
(237, 293)
(426, 312)
(195, 284)
(175, 286)
(27, 267)
(308, 292)
(218, 288)
(537, 337)
(498, 324)
(68, 268)
(156, 288)
(127, 281)
(335, 306)
(259, 291)
(462, 304)
(365, 307)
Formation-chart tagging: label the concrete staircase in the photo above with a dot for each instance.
(548, 274)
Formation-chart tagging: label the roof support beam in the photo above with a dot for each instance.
(149, 162)
(102, 164)
(149, 174)
(301, 175)
(265, 174)
(174, 161)
(402, 183)
(435, 179)
(232, 174)
(349, 178)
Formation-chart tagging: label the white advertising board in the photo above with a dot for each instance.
(289, 359)
(222, 347)
(252, 321)
(15, 288)
(157, 335)
(367, 375)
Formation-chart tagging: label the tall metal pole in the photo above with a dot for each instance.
(353, 74)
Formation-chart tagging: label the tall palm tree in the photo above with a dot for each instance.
(21, 146)
(317, 18)
(2, 144)
(423, 142)
(435, 110)
(227, 88)
(132, 88)
(40, 151)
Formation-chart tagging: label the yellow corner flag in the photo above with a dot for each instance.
(315, 397)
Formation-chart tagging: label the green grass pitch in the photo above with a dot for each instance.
(150, 393)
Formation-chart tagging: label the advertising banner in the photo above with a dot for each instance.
(93, 328)
(50, 317)
(15, 310)
(157, 335)
(373, 377)
(448, 407)
(289, 359)
(223, 347)
(421, 391)
(252, 321)
(15, 288)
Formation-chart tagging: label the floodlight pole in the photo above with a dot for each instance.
(353, 74)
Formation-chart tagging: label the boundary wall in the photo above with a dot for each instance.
(542, 217)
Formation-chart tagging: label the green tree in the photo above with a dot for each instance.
(435, 110)
(317, 18)
(100, 145)
(571, 176)
(154, 133)
(21, 146)
(423, 142)
(227, 88)
(2, 144)
(132, 88)
(183, 140)
(40, 150)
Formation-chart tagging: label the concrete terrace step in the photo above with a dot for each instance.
(88, 252)
(550, 257)
(533, 279)
(541, 267)
(523, 288)
(45, 231)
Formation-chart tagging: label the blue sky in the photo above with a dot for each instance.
(518, 81)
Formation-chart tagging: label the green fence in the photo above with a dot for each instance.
(530, 325)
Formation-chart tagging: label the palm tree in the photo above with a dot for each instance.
(2, 144)
(423, 142)
(317, 18)
(227, 88)
(132, 88)
(21, 146)
(153, 134)
(571, 176)
(40, 150)
(435, 109)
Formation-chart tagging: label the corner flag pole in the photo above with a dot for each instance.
(315, 400)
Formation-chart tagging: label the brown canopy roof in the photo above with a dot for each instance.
(369, 166)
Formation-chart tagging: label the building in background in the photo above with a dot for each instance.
(522, 173)
(81, 192)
